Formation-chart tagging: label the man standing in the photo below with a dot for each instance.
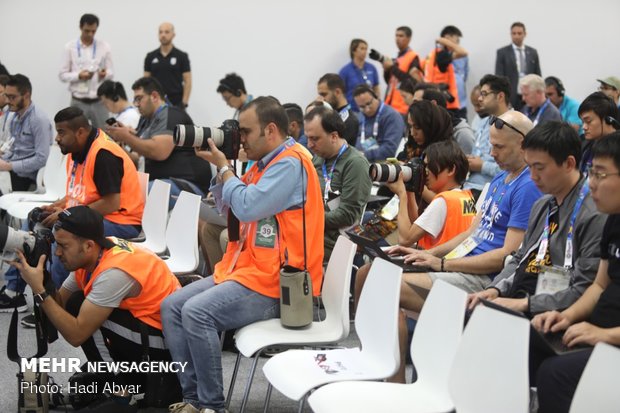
(568, 107)
(515, 61)
(176, 165)
(31, 135)
(561, 248)
(381, 127)
(494, 100)
(358, 71)
(170, 66)
(232, 89)
(331, 90)
(342, 170)
(537, 106)
(406, 65)
(86, 63)
(611, 87)
(244, 288)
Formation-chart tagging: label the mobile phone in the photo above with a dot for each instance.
(110, 121)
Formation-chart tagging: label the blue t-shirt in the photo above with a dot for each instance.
(506, 205)
(569, 109)
(354, 76)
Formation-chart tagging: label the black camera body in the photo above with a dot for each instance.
(414, 174)
(375, 55)
(227, 137)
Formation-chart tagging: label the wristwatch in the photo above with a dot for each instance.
(221, 172)
(39, 298)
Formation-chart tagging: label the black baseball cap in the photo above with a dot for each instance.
(84, 222)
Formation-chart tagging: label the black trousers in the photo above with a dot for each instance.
(556, 378)
(19, 183)
(118, 339)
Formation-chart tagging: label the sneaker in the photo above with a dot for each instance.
(205, 410)
(108, 405)
(7, 303)
(182, 407)
(29, 321)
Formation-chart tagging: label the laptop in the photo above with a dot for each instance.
(372, 249)
(550, 343)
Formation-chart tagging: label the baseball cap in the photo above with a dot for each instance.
(612, 81)
(84, 222)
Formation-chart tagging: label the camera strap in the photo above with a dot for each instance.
(41, 333)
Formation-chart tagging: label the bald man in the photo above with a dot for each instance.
(170, 66)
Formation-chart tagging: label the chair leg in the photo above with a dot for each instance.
(232, 380)
(267, 398)
(248, 386)
(302, 403)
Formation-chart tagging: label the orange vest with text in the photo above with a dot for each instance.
(461, 211)
(255, 263)
(81, 188)
(393, 96)
(146, 268)
(432, 74)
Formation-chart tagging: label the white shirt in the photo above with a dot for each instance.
(129, 117)
(433, 218)
(517, 51)
(77, 57)
(6, 117)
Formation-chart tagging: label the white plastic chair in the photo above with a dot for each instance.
(143, 178)
(597, 391)
(490, 369)
(182, 234)
(54, 184)
(296, 372)
(435, 340)
(252, 339)
(155, 217)
(483, 195)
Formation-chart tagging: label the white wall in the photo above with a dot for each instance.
(282, 47)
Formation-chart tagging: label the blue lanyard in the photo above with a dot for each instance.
(79, 48)
(159, 109)
(540, 112)
(328, 177)
(364, 76)
(375, 126)
(568, 251)
(501, 195)
(20, 121)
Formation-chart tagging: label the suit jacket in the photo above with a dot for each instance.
(506, 65)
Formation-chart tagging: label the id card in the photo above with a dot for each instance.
(463, 248)
(369, 143)
(552, 279)
(266, 233)
(82, 86)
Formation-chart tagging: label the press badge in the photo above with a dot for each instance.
(266, 233)
(552, 279)
(82, 86)
(369, 143)
(463, 248)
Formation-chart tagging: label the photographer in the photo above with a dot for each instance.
(266, 204)
(113, 294)
(405, 66)
(446, 167)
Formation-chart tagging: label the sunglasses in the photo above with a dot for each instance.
(499, 124)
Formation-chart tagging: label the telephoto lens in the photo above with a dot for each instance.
(192, 136)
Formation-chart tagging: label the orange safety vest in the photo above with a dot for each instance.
(255, 263)
(146, 268)
(392, 95)
(81, 188)
(460, 213)
(432, 74)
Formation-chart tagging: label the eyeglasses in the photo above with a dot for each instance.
(11, 97)
(137, 99)
(599, 176)
(367, 105)
(499, 124)
(484, 93)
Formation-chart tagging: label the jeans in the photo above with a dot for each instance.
(58, 271)
(192, 318)
(175, 190)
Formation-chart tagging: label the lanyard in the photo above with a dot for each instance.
(328, 177)
(159, 109)
(363, 75)
(375, 126)
(17, 120)
(568, 251)
(79, 48)
(540, 112)
(501, 195)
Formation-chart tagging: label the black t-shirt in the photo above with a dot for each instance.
(168, 70)
(108, 172)
(606, 312)
(351, 126)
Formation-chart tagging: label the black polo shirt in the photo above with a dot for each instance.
(168, 70)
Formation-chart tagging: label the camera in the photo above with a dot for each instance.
(375, 55)
(33, 244)
(414, 174)
(227, 137)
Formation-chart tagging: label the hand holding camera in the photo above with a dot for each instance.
(413, 174)
(375, 55)
(398, 186)
(212, 155)
(32, 275)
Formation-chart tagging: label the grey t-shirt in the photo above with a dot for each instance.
(109, 289)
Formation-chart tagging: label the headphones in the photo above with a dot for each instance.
(559, 86)
(610, 120)
(235, 92)
(115, 96)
